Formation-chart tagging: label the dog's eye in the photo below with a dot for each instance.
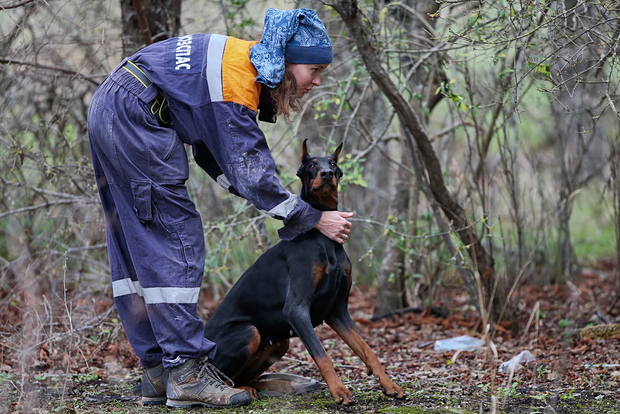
(311, 166)
(333, 164)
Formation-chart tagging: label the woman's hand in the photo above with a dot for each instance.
(334, 224)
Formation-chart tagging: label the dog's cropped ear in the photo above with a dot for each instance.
(335, 156)
(337, 152)
(304, 151)
(304, 157)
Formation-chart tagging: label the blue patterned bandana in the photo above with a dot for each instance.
(291, 36)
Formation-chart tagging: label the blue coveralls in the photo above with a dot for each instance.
(154, 232)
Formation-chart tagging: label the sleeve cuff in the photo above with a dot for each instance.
(299, 223)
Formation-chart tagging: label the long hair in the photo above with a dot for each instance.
(285, 96)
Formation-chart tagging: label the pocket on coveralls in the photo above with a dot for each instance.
(142, 202)
(191, 235)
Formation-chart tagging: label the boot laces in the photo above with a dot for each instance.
(214, 376)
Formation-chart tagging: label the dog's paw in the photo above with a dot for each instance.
(342, 395)
(251, 390)
(346, 401)
(393, 390)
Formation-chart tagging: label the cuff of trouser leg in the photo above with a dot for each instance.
(210, 347)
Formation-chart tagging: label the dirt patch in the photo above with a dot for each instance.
(85, 364)
(100, 396)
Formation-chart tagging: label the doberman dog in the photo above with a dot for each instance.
(293, 287)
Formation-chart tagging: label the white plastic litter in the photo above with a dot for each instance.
(460, 343)
(511, 365)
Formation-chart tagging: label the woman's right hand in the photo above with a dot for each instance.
(334, 225)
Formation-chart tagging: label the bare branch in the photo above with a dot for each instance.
(49, 204)
(91, 79)
(16, 5)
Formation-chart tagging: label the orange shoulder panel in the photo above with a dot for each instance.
(238, 74)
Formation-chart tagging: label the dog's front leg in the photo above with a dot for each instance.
(299, 319)
(344, 326)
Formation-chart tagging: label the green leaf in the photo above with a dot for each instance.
(545, 69)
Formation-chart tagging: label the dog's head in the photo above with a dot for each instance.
(319, 179)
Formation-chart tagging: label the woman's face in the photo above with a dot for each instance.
(306, 76)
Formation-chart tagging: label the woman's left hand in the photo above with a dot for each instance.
(334, 224)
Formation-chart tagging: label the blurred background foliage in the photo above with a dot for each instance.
(518, 100)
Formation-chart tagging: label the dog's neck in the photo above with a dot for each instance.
(321, 200)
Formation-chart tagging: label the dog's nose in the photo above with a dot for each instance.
(327, 174)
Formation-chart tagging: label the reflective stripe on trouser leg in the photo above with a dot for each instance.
(132, 314)
(155, 237)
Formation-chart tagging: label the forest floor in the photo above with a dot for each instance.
(87, 366)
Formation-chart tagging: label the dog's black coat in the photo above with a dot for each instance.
(293, 287)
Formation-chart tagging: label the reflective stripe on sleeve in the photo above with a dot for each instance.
(155, 295)
(223, 181)
(217, 43)
(282, 210)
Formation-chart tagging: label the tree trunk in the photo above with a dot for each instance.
(426, 77)
(362, 34)
(391, 279)
(579, 156)
(148, 21)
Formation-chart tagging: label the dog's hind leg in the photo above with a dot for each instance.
(236, 347)
(260, 360)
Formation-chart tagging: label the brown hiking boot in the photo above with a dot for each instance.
(154, 385)
(197, 382)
